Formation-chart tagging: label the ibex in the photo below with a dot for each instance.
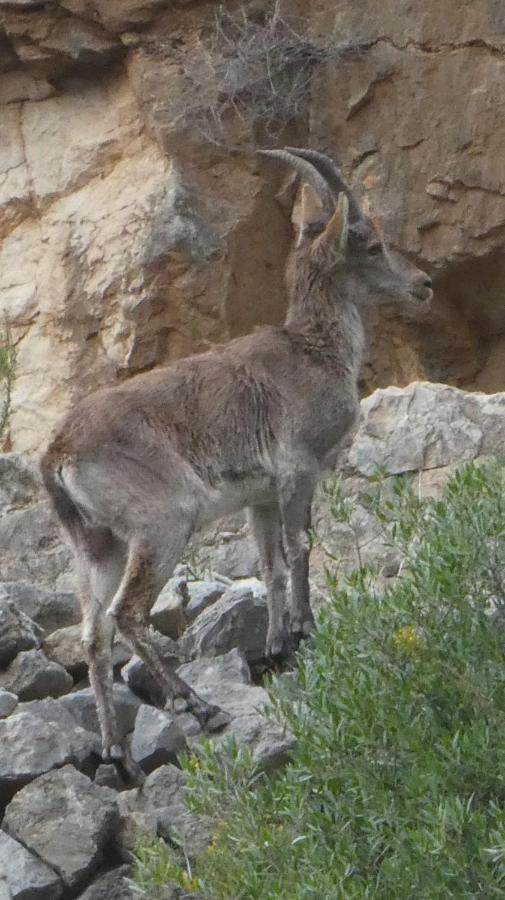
(137, 468)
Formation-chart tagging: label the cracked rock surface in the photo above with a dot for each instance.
(195, 240)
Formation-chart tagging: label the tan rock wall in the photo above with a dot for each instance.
(126, 241)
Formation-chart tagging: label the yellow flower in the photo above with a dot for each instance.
(190, 884)
(407, 638)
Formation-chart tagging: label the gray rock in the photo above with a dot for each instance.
(17, 632)
(112, 886)
(33, 548)
(64, 647)
(66, 820)
(8, 703)
(426, 426)
(201, 595)
(27, 877)
(32, 676)
(225, 680)
(137, 676)
(167, 614)
(49, 609)
(35, 743)
(81, 705)
(20, 482)
(239, 619)
(160, 808)
(235, 558)
(157, 739)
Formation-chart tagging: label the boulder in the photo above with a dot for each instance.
(20, 482)
(27, 877)
(49, 609)
(225, 681)
(82, 706)
(426, 426)
(64, 647)
(202, 594)
(32, 676)
(239, 619)
(157, 739)
(167, 614)
(8, 703)
(17, 632)
(66, 820)
(137, 676)
(160, 808)
(112, 886)
(37, 737)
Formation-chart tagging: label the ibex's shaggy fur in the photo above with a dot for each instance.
(136, 469)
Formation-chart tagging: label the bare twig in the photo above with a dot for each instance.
(253, 70)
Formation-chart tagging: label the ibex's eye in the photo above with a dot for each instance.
(375, 249)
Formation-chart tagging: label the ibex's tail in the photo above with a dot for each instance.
(66, 509)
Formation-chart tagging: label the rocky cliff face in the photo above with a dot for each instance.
(126, 240)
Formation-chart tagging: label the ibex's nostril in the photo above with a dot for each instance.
(427, 282)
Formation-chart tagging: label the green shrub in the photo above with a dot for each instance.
(7, 373)
(397, 787)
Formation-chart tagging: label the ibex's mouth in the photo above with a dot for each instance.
(424, 294)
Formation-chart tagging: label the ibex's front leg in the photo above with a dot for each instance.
(295, 500)
(130, 608)
(266, 524)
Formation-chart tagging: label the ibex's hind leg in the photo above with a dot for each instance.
(266, 524)
(99, 580)
(143, 578)
(295, 500)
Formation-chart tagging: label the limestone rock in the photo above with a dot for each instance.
(239, 619)
(8, 703)
(426, 426)
(66, 820)
(201, 595)
(17, 632)
(160, 808)
(226, 682)
(33, 548)
(111, 886)
(20, 482)
(32, 745)
(137, 676)
(49, 609)
(167, 614)
(64, 647)
(82, 707)
(28, 878)
(32, 676)
(235, 558)
(157, 739)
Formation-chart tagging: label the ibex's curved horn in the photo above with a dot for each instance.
(332, 175)
(308, 172)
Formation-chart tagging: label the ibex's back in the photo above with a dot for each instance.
(137, 468)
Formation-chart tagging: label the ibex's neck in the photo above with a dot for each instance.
(328, 318)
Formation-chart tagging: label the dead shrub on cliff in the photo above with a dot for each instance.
(252, 69)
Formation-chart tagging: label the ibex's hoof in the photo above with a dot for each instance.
(278, 646)
(302, 628)
(129, 770)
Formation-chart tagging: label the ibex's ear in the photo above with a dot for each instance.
(337, 228)
(308, 211)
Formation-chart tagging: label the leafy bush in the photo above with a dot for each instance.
(7, 373)
(397, 787)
